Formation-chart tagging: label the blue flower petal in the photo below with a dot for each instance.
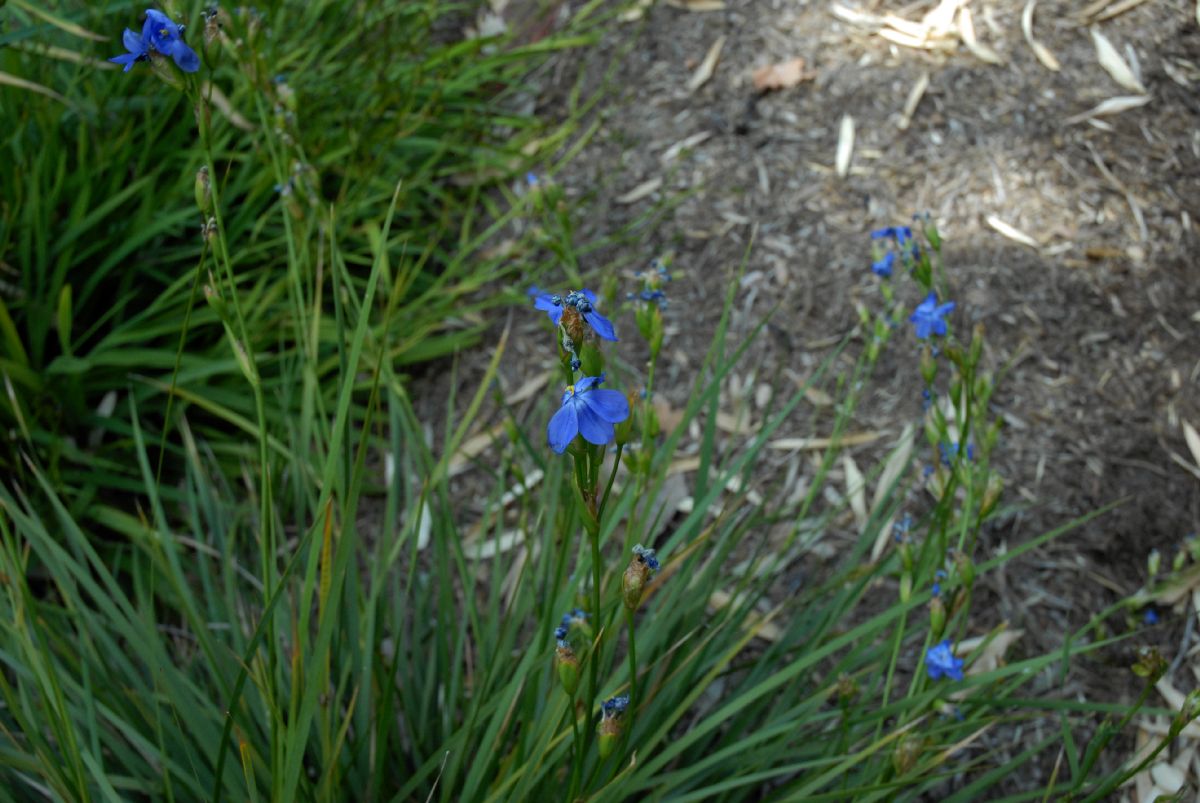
(601, 324)
(587, 383)
(128, 59)
(592, 427)
(133, 42)
(589, 295)
(563, 428)
(608, 405)
(184, 56)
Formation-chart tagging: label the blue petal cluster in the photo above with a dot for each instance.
(584, 301)
(941, 663)
(929, 317)
(160, 35)
(902, 236)
(883, 267)
(589, 411)
(564, 628)
(646, 556)
(614, 706)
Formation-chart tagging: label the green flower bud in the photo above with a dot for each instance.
(908, 750)
(203, 190)
(991, 495)
(966, 569)
(976, 344)
(633, 581)
(906, 584)
(928, 365)
(612, 716)
(568, 668)
(937, 618)
(1153, 563)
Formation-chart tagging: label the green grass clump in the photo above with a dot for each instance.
(194, 606)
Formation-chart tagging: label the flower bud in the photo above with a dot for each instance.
(1153, 563)
(907, 751)
(966, 569)
(568, 667)
(937, 618)
(906, 584)
(623, 430)
(976, 344)
(991, 495)
(203, 190)
(633, 581)
(928, 365)
(612, 715)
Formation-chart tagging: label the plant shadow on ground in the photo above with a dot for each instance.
(1090, 329)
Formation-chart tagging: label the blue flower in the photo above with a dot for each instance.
(884, 266)
(589, 411)
(165, 36)
(902, 236)
(929, 316)
(138, 50)
(531, 179)
(1151, 617)
(941, 663)
(584, 302)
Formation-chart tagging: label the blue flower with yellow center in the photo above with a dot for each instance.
(589, 411)
(160, 35)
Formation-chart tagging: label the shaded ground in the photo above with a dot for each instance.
(1095, 322)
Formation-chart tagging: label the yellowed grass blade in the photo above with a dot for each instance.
(1011, 232)
(966, 30)
(845, 146)
(1193, 441)
(856, 490)
(707, 67)
(1041, 51)
(21, 83)
(640, 191)
(59, 22)
(1114, 64)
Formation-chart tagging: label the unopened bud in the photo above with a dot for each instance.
(906, 584)
(203, 189)
(568, 667)
(633, 581)
(612, 715)
(937, 618)
(1153, 563)
(976, 344)
(966, 569)
(928, 365)
(907, 751)
(991, 495)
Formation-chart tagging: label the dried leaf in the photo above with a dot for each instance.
(1113, 64)
(992, 655)
(1011, 232)
(225, 106)
(895, 465)
(913, 100)
(845, 146)
(1193, 441)
(856, 486)
(707, 67)
(853, 439)
(1041, 51)
(640, 191)
(1116, 105)
(781, 76)
(966, 30)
